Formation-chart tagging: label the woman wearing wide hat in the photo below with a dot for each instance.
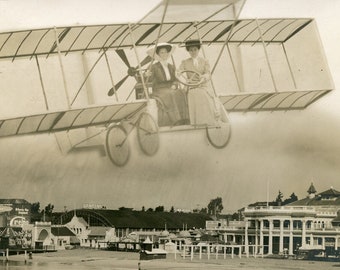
(204, 109)
(165, 87)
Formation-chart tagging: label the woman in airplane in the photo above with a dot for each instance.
(204, 108)
(165, 87)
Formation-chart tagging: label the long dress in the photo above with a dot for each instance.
(174, 109)
(203, 107)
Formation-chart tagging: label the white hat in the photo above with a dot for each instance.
(170, 48)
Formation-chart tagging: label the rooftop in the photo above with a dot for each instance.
(61, 231)
(13, 201)
(98, 230)
(139, 219)
(329, 197)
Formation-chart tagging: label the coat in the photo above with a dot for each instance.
(173, 108)
(158, 77)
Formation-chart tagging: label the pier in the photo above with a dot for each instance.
(216, 251)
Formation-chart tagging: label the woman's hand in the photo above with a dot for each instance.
(148, 73)
(205, 77)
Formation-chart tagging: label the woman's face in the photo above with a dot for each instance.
(193, 51)
(163, 53)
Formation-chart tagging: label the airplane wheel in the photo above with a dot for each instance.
(219, 136)
(147, 134)
(117, 145)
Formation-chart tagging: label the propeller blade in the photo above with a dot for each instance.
(146, 60)
(131, 71)
(119, 84)
(123, 56)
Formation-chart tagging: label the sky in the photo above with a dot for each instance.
(268, 151)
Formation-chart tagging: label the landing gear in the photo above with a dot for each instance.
(219, 136)
(117, 145)
(147, 134)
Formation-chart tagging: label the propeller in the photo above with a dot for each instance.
(131, 72)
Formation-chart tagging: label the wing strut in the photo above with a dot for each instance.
(266, 54)
(289, 66)
(159, 31)
(225, 44)
(199, 37)
(154, 51)
(240, 89)
(41, 81)
(104, 49)
(139, 64)
(216, 12)
(62, 67)
(109, 69)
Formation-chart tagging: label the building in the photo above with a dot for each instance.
(27, 236)
(91, 236)
(14, 211)
(99, 236)
(312, 222)
(62, 237)
(126, 229)
(80, 228)
(127, 220)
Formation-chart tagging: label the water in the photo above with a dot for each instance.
(104, 260)
(14, 265)
(235, 264)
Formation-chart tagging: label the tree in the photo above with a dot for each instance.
(47, 212)
(35, 212)
(143, 209)
(291, 199)
(35, 208)
(124, 209)
(159, 208)
(279, 197)
(48, 209)
(235, 216)
(172, 210)
(204, 211)
(149, 210)
(215, 206)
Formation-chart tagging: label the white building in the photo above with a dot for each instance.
(62, 237)
(91, 236)
(313, 222)
(80, 228)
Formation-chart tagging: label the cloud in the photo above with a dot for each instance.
(286, 149)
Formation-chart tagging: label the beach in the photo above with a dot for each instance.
(82, 259)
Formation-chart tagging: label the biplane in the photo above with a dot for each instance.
(96, 72)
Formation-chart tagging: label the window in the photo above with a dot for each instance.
(276, 224)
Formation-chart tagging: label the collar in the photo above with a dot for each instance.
(164, 63)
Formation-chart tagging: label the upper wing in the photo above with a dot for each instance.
(70, 119)
(28, 43)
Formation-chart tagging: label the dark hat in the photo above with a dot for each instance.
(193, 43)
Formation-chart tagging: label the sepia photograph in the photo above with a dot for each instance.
(169, 134)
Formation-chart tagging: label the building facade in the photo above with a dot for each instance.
(14, 211)
(80, 228)
(310, 223)
(62, 237)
